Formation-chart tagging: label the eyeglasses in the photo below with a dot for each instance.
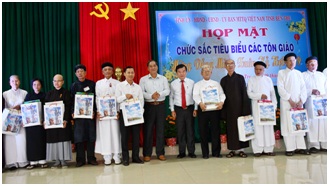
(230, 64)
(55, 81)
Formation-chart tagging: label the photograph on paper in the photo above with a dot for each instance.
(210, 98)
(107, 108)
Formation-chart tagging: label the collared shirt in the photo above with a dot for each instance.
(204, 84)
(291, 85)
(151, 85)
(13, 98)
(106, 87)
(124, 88)
(175, 97)
(315, 80)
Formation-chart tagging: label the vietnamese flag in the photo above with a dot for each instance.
(115, 37)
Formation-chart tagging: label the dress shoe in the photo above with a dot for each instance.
(93, 162)
(314, 150)
(147, 158)
(289, 153)
(257, 154)
(125, 162)
(12, 168)
(302, 151)
(323, 150)
(192, 155)
(137, 160)
(79, 164)
(162, 158)
(218, 156)
(181, 155)
(205, 157)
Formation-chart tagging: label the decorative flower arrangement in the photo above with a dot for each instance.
(170, 127)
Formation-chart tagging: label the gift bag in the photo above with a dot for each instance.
(54, 114)
(107, 107)
(316, 107)
(31, 113)
(83, 105)
(11, 121)
(266, 112)
(246, 128)
(132, 113)
(297, 121)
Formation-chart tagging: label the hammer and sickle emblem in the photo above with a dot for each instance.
(102, 12)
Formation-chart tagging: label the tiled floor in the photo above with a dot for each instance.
(278, 169)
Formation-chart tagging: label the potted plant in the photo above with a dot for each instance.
(170, 131)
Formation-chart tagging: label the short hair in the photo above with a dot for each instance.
(150, 62)
(181, 66)
(229, 60)
(78, 66)
(14, 76)
(289, 55)
(36, 79)
(311, 58)
(205, 67)
(127, 68)
(107, 64)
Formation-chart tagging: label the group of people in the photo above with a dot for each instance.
(35, 146)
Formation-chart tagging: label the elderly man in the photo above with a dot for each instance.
(261, 87)
(236, 104)
(155, 88)
(107, 131)
(207, 116)
(315, 85)
(292, 91)
(183, 110)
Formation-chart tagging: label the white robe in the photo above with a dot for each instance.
(317, 127)
(258, 85)
(15, 145)
(290, 85)
(108, 138)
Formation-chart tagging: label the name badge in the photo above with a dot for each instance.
(86, 89)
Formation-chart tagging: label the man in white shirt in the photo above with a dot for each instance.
(261, 87)
(183, 110)
(292, 91)
(205, 116)
(315, 85)
(155, 88)
(129, 91)
(107, 131)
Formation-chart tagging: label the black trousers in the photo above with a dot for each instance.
(185, 129)
(125, 133)
(154, 115)
(81, 155)
(204, 118)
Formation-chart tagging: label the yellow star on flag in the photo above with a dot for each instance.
(129, 12)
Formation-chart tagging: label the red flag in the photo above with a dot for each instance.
(106, 36)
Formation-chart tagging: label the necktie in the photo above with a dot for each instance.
(183, 95)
